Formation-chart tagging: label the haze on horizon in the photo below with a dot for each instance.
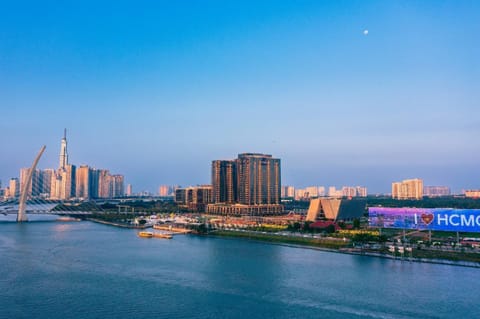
(156, 91)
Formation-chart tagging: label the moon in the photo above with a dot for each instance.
(365, 32)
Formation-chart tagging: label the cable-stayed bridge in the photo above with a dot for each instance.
(49, 207)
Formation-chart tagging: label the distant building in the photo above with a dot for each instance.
(472, 193)
(300, 194)
(14, 188)
(83, 182)
(408, 189)
(164, 190)
(194, 198)
(129, 191)
(284, 191)
(311, 191)
(104, 184)
(348, 191)
(436, 191)
(117, 185)
(46, 176)
(361, 191)
(333, 192)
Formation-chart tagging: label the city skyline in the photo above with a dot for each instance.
(63, 161)
(159, 90)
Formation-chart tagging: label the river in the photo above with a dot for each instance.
(88, 270)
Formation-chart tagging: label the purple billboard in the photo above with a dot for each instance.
(442, 219)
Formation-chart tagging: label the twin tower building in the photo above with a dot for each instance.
(250, 184)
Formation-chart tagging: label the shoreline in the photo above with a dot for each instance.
(307, 243)
(120, 225)
(345, 250)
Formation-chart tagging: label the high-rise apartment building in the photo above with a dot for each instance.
(67, 188)
(118, 186)
(249, 184)
(333, 192)
(408, 189)
(94, 182)
(361, 191)
(14, 188)
(312, 191)
(164, 190)
(436, 191)
(225, 181)
(348, 191)
(104, 181)
(46, 176)
(83, 182)
(288, 191)
(259, 179)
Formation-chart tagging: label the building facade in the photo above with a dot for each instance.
(252, 181)
(83, 182)
(472, 193)
(194, 198)
(225, 181)
(259, 179)
(436, 191)
(408, 189)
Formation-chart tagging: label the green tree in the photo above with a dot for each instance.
(356, 223)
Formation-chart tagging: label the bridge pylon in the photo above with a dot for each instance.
(22, 216)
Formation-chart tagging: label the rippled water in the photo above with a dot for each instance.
(87, 270)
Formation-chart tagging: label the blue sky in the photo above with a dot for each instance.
(156, 90)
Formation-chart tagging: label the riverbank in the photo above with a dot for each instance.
(339, 246)
(121, 225)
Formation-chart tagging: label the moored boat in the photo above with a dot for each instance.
(145, 234)
(160, 235)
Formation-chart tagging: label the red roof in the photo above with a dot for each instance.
(324, 224)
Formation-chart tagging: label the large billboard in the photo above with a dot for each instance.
(443, 219)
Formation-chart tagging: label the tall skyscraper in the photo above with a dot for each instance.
(63, 184)
(224, 181)
(259, 180)
(63, 151)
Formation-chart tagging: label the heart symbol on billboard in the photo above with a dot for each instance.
(427, 218)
